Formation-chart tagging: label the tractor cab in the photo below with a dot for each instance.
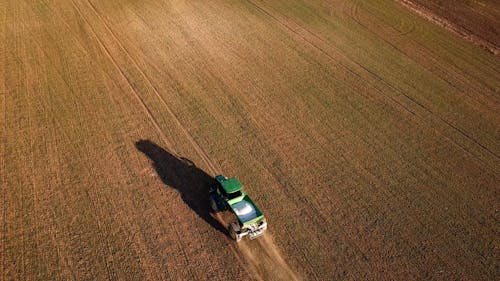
(231, 189)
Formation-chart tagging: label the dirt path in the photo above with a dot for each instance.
(263, 255)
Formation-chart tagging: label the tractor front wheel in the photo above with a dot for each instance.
(234, 228)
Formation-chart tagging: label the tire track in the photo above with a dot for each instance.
(380, 25)
(140, 242)
(460, 146)
(200, 151)
(193, 142)
(249, 255)
(317, 213)
(141, 102)
(375, 76)
(459, 130)
(327, 54)
(125, 78)
(378, 78)
(448, 123)
(195, 145)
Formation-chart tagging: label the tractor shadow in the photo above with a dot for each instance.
(181, 174)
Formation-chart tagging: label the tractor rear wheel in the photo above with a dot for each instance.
(234, 228)
(213, 204)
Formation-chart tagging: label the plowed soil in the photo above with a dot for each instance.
(368, 136)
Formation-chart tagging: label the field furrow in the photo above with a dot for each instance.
(367, 134)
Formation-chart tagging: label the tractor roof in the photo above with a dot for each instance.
(231, 185)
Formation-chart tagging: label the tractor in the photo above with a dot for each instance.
(227, 194)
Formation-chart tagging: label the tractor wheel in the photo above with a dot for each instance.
(233, 231)
(213, 204)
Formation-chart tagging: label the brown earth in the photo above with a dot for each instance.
(477, 21)
(368, 136)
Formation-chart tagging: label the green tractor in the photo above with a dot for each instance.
(228, 194)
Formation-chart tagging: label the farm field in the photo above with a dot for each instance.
(367, 135)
